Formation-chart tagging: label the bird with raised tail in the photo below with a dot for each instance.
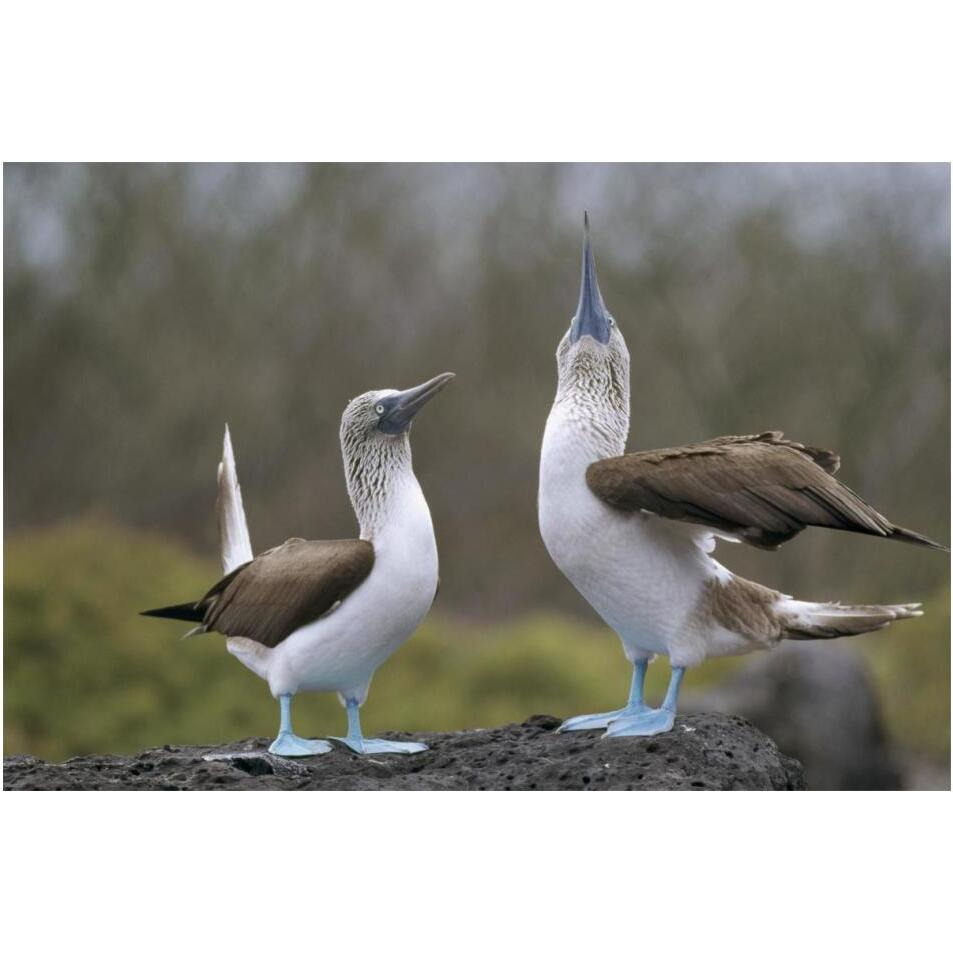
(634, 532)
(323, 615)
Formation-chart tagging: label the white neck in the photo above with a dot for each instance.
(381, 483)
(579, 431)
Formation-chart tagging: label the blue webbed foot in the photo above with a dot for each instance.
(654, 721)
(589, 722)
(634, 706)
(356, 741)
(363, 745)
(289, 745)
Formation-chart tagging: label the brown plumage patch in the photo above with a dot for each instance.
(762, 488)
(285, 588)
(744, 607)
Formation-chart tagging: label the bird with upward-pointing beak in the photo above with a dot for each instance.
(634, 532)
(323, 615)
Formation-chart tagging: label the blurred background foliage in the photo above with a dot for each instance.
(146, 305)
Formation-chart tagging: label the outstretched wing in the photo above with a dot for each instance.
(761, 488)
(285, 588)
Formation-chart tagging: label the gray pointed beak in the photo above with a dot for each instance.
(591, 316)
(401, 408)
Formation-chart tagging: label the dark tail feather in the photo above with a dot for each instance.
(186, 612)
(909, 536)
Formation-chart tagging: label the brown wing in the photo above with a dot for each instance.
(286, 587)
(762, 488)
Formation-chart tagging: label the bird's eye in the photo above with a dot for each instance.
(379, 409)
(611, 323)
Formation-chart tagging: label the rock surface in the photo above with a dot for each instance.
(820, 705)
(703, 752)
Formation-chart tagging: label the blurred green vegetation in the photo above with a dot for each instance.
(84, 673)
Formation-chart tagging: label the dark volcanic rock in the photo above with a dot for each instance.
(703, 752)
(820, 704)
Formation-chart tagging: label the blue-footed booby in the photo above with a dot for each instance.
(323, 615)
(634, 532)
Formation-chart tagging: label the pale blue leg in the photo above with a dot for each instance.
(652, 721)
(356, 741)
(634, 706)
(288, 743)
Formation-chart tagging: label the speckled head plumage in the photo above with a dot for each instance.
(592, 358)
(375, 443)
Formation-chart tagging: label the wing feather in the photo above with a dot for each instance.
(285, 588)
(762, 488)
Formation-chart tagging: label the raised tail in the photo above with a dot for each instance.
(233, 536)
(232, 527)
(831, 620)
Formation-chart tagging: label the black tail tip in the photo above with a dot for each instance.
(187, 612)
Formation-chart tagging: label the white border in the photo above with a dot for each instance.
(511, 81)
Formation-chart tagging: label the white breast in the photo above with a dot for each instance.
(341, 651)
(642, 574)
